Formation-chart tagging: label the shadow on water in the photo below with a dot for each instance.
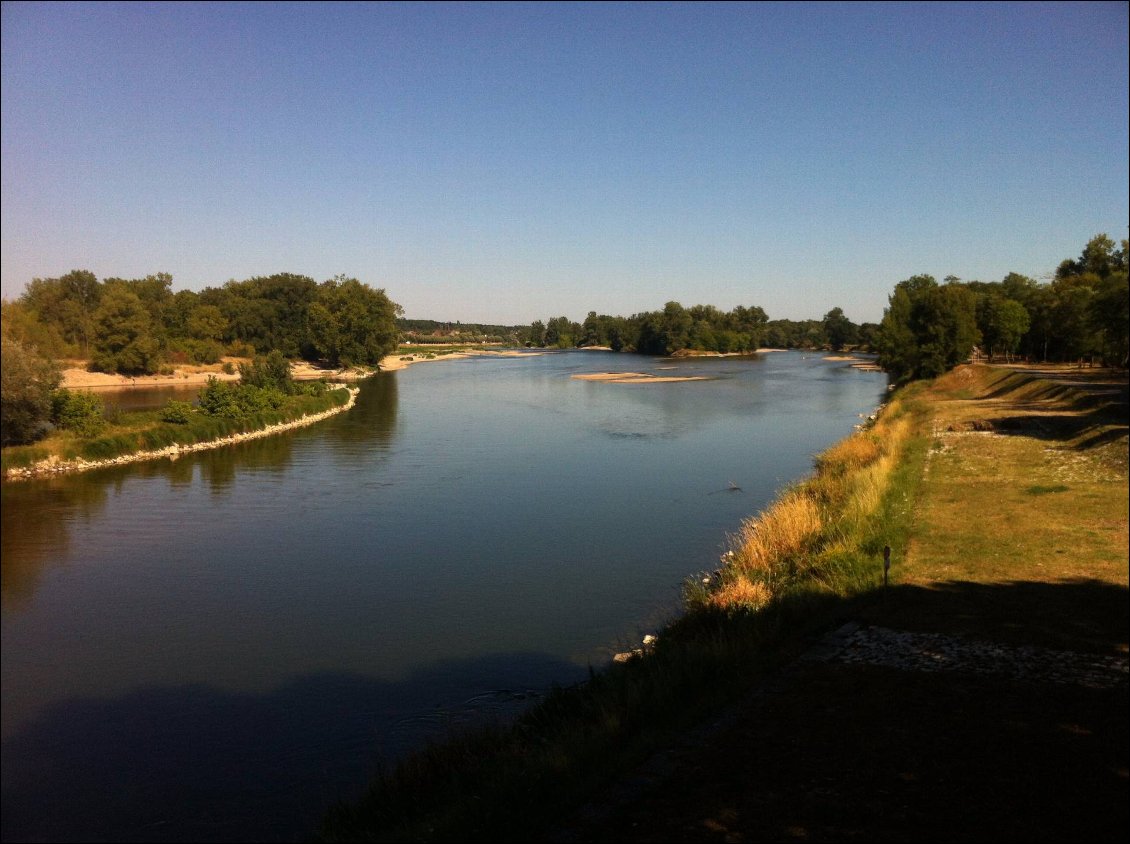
(196, 763)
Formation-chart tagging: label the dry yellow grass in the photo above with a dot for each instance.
(740, 592)
(777, 535)
(826, 515)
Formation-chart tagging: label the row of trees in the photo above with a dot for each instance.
(701, 328)
(1084, 313)
(134, 326)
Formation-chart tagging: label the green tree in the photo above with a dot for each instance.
(351, 323)
(840, 330)
(1003, 323)
(926, 328)
(206, 322)
(27, 383)
(69, 303)
(1110, 317)
(124, 340)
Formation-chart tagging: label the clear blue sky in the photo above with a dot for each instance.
(509, 162)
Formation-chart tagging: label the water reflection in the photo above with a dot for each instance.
(35, 519)
(371, 424)
(460, 510)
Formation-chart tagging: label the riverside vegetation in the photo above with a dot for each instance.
(266, 397)
(792, 572)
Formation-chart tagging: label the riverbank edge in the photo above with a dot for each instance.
(53, 466)
(570, 746)
(542, 777)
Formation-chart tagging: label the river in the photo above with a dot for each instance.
(219, 647)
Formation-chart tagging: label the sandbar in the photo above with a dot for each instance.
(637, 378)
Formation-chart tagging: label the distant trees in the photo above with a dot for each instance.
(1084, 313)
(350, 323)
(124, 340)
(840, 330)
(134, 326)
(673, 329)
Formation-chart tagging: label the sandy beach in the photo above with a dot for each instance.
(77, 377)
(636, 378)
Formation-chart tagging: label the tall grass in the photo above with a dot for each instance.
(813, 532)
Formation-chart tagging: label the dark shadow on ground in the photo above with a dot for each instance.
(827, 751)
(196, 763)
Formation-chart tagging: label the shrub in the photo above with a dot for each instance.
(218, 398)
(80, 413)
(177, 412)
(26, 388)
(271, 372)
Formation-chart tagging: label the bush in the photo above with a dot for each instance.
(271, 372)
(218, 399)
(238, 401)
(178, 412)
(80, 413)
(25, 392)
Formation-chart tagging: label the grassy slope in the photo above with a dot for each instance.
(1019, 536)
(976, 521)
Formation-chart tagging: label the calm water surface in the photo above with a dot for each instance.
(219, 647)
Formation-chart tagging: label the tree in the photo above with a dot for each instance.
(351, 323)
(839, 330)
(68, 302)
(1110, 317)
(27, 382)
(206, 322)
(123, 334)
(1004, 322)
(927, 329)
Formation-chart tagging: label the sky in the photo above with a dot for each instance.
(508, 162)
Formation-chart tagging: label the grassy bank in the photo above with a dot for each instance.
(146, 431)
(783, 583)
(981, 483)
(1016, 549)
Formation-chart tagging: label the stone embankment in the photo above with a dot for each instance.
(55, 466)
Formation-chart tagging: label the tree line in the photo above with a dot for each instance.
(137, 326)
(1082, 314)
(701, 328)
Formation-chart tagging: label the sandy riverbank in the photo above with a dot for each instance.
(636, 378)
(77, 377)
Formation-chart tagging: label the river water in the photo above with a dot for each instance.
(219, 647)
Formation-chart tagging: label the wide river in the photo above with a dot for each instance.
(219, 647)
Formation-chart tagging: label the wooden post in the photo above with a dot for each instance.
(886, 563)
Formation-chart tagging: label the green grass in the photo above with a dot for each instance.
(144, 431)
